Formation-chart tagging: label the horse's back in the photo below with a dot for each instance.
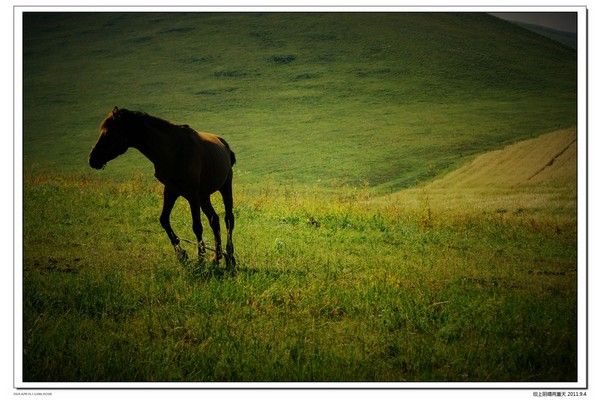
(214, 149)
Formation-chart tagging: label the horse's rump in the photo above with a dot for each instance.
(231, 153)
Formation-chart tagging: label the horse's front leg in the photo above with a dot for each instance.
(169, 198)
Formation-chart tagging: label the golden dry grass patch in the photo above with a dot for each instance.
(532, 176)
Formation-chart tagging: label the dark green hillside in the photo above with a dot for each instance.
(388, 99)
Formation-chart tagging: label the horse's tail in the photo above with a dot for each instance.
(231, 153)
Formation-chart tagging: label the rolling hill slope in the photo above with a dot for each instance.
(322, 99)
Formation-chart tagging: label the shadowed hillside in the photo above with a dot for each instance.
(566, 38)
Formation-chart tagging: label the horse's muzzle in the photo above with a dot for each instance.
(96, 164)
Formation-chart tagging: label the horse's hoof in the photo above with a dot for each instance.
(201, 250)
(201, 257)
(230, 262)
(182, 257)
(181, 254)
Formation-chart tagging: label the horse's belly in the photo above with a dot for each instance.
(212, 180)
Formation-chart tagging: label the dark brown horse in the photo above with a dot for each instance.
(189, 164)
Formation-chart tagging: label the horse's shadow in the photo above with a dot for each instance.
(205, 271)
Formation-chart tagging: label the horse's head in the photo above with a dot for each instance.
(113, 140)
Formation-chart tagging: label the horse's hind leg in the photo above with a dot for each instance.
(197, 228)
(227, 194)
(169, 198)
(213, 220)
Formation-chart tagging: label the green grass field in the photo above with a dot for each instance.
(375, 239)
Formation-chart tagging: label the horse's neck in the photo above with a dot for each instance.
(154, 143)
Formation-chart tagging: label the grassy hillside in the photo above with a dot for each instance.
(388, 99)
(535, 176)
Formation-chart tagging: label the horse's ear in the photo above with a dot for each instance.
(115, 111)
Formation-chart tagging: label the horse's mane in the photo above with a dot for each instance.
(130, 116)
(156, 121)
